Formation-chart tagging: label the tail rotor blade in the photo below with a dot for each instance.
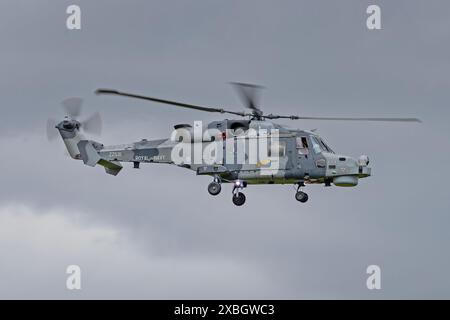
(93, 124)
(52, 133)
(72, 106)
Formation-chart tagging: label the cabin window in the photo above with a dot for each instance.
(302, 145)
(277, 149)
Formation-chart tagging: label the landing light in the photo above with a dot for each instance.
(240, 183)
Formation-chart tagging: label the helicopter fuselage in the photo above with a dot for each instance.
(298, 155)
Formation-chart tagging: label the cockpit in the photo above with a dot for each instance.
(319, 145)
(314, 143)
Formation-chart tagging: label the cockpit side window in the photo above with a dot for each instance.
(316, 145)
(302, 145)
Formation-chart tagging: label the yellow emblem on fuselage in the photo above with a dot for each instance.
(263, 162)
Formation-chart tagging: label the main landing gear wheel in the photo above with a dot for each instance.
(301, 196)
(239, 199)
(214, 188)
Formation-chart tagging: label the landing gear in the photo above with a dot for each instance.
(300, 195)
(239, 197)
(214, 187)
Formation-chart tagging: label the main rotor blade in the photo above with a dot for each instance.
(249, 93)
(175, 103)
(274, 116)
(73, 106)
(361, 119)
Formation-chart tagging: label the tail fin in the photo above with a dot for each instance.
(88, 153)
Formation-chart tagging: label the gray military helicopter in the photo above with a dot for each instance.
(300, 156)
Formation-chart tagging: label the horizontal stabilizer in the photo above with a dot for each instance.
(111, 167)
(90, 157)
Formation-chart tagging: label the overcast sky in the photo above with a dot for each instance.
(156, 232)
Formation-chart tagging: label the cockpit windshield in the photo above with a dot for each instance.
(320, 145)
(326, 146)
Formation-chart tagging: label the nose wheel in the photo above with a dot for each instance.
(300, 195)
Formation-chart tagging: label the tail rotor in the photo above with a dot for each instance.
(72, 107)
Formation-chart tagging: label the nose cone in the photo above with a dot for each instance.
(347, 170)
(347, 165)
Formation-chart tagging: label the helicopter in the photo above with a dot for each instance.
(283, 155)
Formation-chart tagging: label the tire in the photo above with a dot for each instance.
(214, 188)
(239, 199)
(301, 196)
